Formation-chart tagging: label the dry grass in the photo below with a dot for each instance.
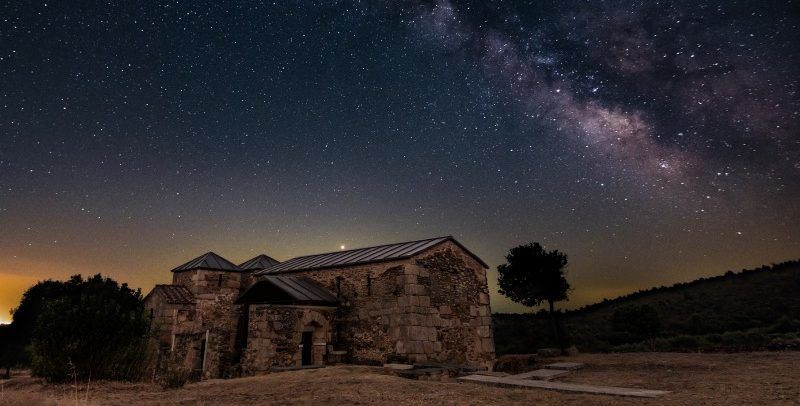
(696, 379)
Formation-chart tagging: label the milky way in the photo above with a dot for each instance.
(652, 142)
(657, 88)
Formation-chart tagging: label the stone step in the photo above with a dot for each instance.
(563, 386)
(295, 368)
(541, 374)
(565, 366)
(491, 373)
(419, 373)
(398, 366)
(465, 369)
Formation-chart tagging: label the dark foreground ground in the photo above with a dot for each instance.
(694, 379)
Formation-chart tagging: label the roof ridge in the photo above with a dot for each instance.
(250, 263)
(358, 256)
(212, 259)
(372, 246)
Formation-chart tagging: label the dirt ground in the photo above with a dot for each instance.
(694, 379)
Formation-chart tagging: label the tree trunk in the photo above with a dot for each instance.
(555, 326)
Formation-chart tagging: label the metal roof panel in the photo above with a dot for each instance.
(386, 252)
(208, 260)
(259, 262)
(300, 289)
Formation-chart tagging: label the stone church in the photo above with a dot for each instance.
(423, 301)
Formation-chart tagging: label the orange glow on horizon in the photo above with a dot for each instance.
(11, 289)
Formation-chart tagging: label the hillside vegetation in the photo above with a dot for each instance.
(747, 310)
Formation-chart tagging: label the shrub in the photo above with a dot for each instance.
(175, 376)
(515, 363)
(785, 324)
(734, 340)
(683, 343)
(640, 322)
(95, 329)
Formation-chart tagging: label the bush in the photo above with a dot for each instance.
(638, 322)
(785, 342)
(684, 343)
(785, 324)
(94, 329)
(734, 340)
(515, 363)
(175, 376)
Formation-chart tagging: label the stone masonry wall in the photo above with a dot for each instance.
(368, 308)
(162, 319)
(449, 294)
(215, 291)
(204, 281)
(430, 308)
(274, 336)
(219, 316)
(161, 316)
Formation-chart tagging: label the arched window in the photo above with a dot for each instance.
(219, 281)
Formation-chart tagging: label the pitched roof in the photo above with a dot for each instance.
(208, 260)
(380, 253)
(260, 262)
(175, 294)
(295, 290)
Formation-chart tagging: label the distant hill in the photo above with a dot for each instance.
(752, 309)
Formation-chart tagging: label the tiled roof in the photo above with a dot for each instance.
(381, 253)
(175, 294)
(300, 290)
(260, 262)
(208, 260)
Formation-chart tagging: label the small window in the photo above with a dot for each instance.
(219, 281)
(338, 286)
(369, 285)
(151, 313)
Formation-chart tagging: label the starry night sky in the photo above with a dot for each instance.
(653, 142)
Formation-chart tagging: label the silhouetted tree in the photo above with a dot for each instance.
(532, 276)
(6, 353)
(15, 338)
(95, 328)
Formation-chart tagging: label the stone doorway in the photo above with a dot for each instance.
(307, 341)
(200, 363)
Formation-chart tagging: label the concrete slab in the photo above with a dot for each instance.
(565, 366)
(398, 366)
(491, 373)
(563, 386)
(541, 374)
